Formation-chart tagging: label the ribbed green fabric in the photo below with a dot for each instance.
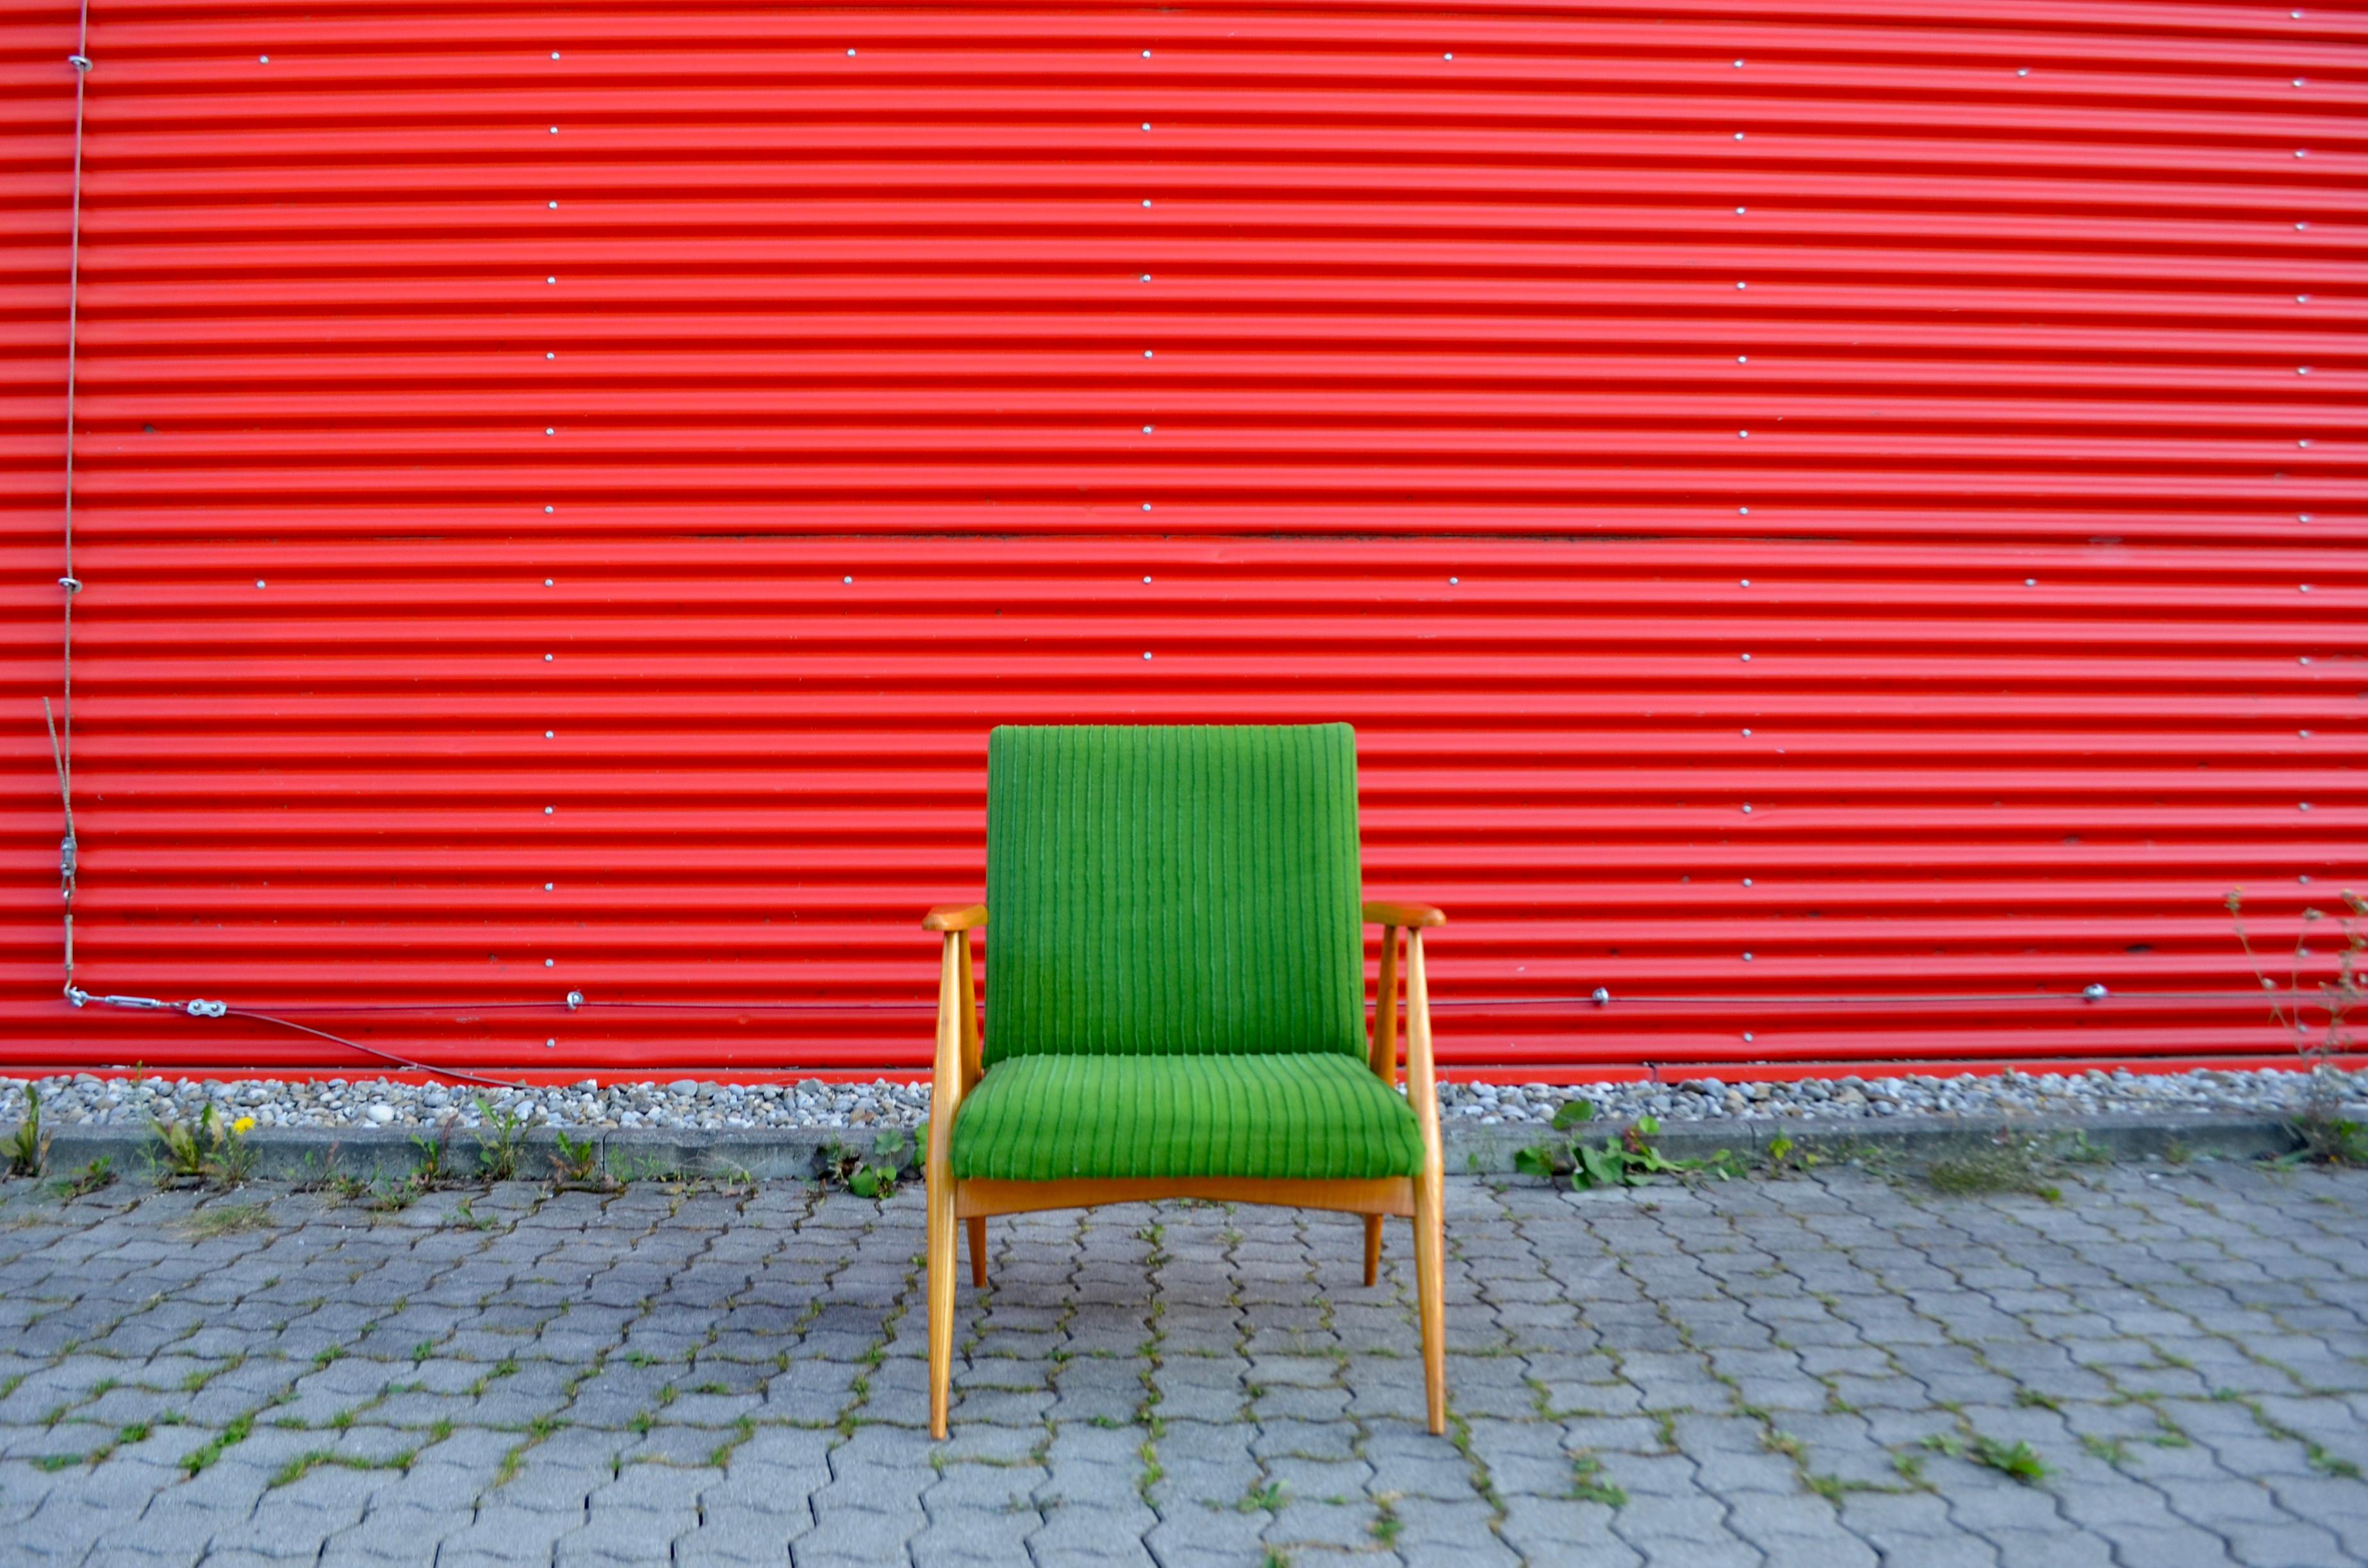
(1308, 1115)
(1188, 889)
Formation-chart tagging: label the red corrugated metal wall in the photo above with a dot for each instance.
(1849, 524)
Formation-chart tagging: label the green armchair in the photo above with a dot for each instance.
(1178, 1002)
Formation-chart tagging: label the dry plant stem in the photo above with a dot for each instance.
(2337, 997)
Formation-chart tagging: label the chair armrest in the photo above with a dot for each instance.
(954, 917)
(1388, 912)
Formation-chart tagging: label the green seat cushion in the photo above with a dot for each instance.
(1305, 1115)
(1173, 890)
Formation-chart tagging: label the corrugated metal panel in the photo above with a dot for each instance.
(563, 496)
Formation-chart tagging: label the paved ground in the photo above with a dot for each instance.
(1788, 1372)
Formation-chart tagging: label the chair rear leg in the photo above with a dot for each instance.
(1373, 1249)
(1431, 1289)
(977, 1227)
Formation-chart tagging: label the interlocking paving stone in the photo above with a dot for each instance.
(1811, 1371)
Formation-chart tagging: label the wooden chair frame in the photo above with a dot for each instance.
(1416, 1197)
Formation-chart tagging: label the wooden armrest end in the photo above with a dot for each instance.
(1389, 912)
(954, 917)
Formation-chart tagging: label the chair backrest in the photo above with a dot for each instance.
(1185, 889)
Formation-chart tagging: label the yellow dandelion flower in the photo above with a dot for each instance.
(243, 1126)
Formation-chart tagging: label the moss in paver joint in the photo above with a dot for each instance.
(240, 1428)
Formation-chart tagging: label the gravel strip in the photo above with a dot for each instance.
(691, 1103)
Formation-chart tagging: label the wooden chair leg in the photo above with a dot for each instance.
(941, 1303)
(1430, 1286)
(1373, 1249)
(977, 1226)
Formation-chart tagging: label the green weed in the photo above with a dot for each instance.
(2017, 1459)
(576, 1163)
(876, 1173)
(1587, 1484)
(1265, 1498)
(1630, 1159)
(207, 1152)
(27, 1148)
(92, 1177)
(501, 1139)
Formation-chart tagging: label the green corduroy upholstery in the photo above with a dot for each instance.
(1304, 1115)
(1175, 971)
(1187, 890)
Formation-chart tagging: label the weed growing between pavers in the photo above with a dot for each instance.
(27, 1148)
(228, 1219)
(93, 1177)
(2012, 1164)
(876, 1173)
(1629, 1158)
(208, 1153)
(575, 1165)
(1587, 1484)
(304, 1464)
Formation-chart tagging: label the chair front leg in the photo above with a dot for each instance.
(1429, 1188)
(946, 1092)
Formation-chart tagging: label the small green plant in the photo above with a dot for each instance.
(1784, 1157)
(98, 1173)
(872, 1175)
(2082, 1151)
(500, 1141)
(392, 1195)
(185, 1148)
(207, 1152)
(575, 1163)
(2017, 1459)
(1911, 1468)
(27, 1148)
(2033, 1399)
(1387, 1526)
(1265, 1498)
(1629, 1160)
(1587, 1484)
(430, 1172)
